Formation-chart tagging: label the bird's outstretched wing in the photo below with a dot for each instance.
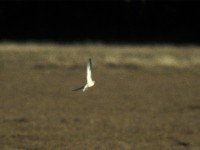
(89, 71)
(80, 88)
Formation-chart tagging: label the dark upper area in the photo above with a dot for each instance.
(132, 21)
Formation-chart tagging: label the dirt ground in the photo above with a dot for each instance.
(127, 109)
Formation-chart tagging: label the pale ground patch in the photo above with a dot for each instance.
(72, 55)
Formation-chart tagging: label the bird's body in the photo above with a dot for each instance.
(90, 82)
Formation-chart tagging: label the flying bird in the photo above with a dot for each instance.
(90, 82)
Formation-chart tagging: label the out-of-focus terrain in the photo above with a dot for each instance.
(145, 97)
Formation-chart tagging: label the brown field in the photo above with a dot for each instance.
(145, 97)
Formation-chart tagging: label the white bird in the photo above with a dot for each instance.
(90, 82)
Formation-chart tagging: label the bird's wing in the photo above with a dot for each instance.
(85, 88)
(89, 71)
(80, 88)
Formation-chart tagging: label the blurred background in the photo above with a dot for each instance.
(146, 67)
(133, 21)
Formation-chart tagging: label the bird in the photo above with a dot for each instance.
(90, 82)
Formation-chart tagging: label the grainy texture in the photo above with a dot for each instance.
(128, 108)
